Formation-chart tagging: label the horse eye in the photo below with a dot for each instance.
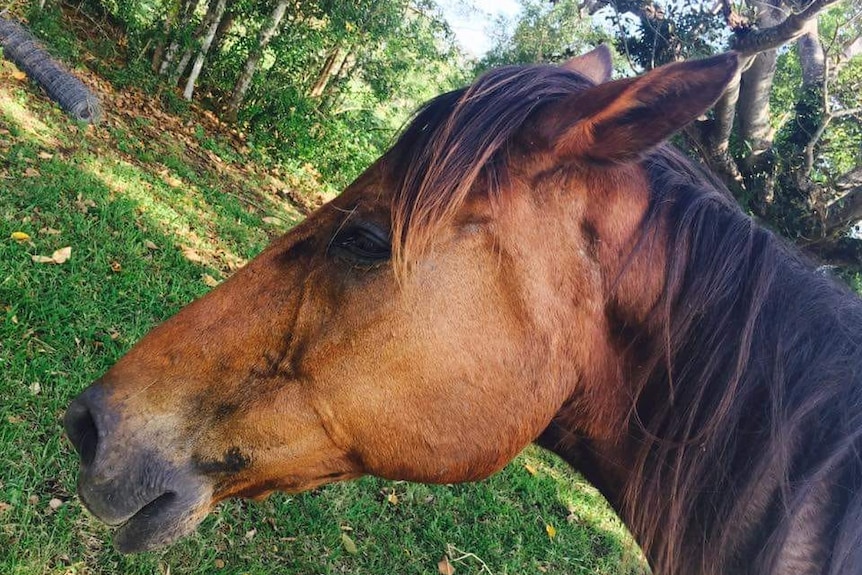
(363, 243)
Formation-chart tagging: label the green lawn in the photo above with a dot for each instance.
(153, 218)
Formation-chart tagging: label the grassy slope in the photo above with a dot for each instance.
(145, 179)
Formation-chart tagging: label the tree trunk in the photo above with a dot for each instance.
(267, 33)
(222, 31)
(330, 67)
(344, 66)
(217, 13)
(753, 106)
(183, 16)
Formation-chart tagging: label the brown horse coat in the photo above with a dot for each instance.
(528, 263)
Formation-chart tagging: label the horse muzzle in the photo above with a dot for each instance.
(127, 483)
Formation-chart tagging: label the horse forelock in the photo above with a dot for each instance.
(461, 138)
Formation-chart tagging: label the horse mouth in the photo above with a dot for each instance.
(159, 523)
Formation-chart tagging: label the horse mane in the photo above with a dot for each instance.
(748, 407)
(753, 395)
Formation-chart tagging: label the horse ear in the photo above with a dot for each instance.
(619, 121)
(596, 65)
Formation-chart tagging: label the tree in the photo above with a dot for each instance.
(543, 32)
(211, 24)
(785, 137)
(267, 31)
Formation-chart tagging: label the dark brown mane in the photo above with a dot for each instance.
(758, 412)
(750, 409)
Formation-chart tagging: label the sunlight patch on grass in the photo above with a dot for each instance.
(176, 207)
(31, 127)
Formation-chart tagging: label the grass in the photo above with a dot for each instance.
(152, 216)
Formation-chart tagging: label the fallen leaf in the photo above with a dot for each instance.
(271, 220)
(348, 543)
(249, 535)
(20, 237)
(55, 503)
(219, 564)
(392, 498)
(19, 75)
(62, 255)
(45, 155)
(116, 267)
(192, 255)
(31, 173)
(84, 205)
(209, 280)
(173, 182)
(530, 469)
(35, 388)
(150, 245)
(444, 567)
(49, 231)
(14, 419)
(549, 529)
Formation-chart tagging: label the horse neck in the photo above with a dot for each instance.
(746, 416)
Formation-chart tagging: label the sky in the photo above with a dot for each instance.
(470, 21)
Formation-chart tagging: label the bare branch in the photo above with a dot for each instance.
(770, 38)
(814, 74)
(844, 211)
(851, 179)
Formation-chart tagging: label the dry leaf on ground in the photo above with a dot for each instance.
(349, 545)
(444, 567)
(192, 255)
(60, 256)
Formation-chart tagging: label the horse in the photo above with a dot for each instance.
(531, 261)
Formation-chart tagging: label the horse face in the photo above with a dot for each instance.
(321, 361)
(314, 364)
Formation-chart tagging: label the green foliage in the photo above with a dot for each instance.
(543, 32)
(47, 25)
(668, 31)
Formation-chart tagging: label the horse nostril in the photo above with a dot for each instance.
(82, 431)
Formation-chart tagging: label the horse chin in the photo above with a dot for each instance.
(161, 523)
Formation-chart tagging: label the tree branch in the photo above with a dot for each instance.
(844, 211)
(770, 38)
